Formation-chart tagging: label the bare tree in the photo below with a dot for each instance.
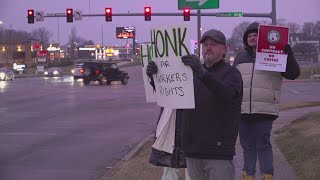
(265, 21)
(238, 32)
(281, 22)
(309, 29)
(13, 36)
(294, 27)
(42, 34)
(73, 42)
(317, 30)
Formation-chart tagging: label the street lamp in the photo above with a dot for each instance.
(89, 6)
(1, 24)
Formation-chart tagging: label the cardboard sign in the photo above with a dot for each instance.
(271, 42)
(174, 80)
(146, 56)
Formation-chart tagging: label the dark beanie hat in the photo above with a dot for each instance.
(216, 35)
(252, 28)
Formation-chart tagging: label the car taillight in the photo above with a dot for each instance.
(81, 71)
(97, 72)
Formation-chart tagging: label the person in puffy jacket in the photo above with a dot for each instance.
(260, 105)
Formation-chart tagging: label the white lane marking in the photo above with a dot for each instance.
(294, 91)
(52, 134)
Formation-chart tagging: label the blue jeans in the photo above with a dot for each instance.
(255, 141)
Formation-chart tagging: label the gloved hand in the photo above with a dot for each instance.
(287, 49)
(152, 68)
(194, 62)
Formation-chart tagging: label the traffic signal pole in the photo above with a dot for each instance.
(198, 14)
(199, 29)
(273, 13)
(263, 15)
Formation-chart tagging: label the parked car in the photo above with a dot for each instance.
(103, 72)
(6, 74)
(53, 72)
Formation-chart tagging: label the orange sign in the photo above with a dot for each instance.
(125, 32)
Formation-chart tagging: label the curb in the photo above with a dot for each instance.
(127, 157)
(302, 80)
(137, 148)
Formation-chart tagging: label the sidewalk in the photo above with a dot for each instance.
(283, 171)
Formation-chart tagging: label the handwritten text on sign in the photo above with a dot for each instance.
(174, 80)
(146, 56)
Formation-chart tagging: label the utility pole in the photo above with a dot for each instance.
(199, 31)
(311, 69)
(58, 31)
(273, 13)
(102, 34)
(89, 6)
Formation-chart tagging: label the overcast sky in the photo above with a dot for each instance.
(13, 15)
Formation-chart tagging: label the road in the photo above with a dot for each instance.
(297, 91)
(58, 129)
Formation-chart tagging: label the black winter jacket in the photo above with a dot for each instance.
(210, 130)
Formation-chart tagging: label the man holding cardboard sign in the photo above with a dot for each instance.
(262, 79)
(209, 131)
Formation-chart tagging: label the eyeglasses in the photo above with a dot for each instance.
(207, 44)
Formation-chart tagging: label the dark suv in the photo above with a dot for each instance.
(103, 72)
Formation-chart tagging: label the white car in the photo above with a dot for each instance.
(6, 74)
(78, 71)
(53, 72)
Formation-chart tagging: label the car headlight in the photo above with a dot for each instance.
(46, 72)
(55, 72)
(2, 75)
(72, 71)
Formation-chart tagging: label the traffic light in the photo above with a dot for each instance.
(30, 16)
(186, 14)
(108, 12)
(69, 15)
(147, 13)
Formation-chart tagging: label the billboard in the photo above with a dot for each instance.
(125, 32)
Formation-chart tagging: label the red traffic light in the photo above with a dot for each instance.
(147, 10)
(147, 13)
(69, 15)
(30, 16)
(69, 12)
(186, 14)
(108, 12)
(30, 12)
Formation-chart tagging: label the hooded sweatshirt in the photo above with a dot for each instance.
(261, 89)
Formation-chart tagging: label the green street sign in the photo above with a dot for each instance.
(229, 14)
(198, 4)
